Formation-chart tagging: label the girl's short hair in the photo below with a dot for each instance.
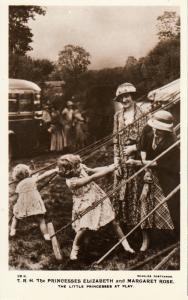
(20, 172)
(68, 164)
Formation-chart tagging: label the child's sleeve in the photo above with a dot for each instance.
(86, 169)
(35, 177)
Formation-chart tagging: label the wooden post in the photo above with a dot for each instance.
(152, 257)
(166, 259)
(55, 243)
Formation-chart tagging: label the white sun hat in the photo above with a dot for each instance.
(162, 120)
(124, 89)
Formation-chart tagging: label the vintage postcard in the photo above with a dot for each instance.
(94, 149)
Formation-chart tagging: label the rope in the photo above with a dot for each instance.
(108, 138)
(104, 140)
(42, 186)
(117, 187)
(136, 226)
(94, 144)
(37, 171)
(141, 264)
(90, 208)
(48, 181)
(176, 128)
(158, 108)
(94, 151)
(166, 258)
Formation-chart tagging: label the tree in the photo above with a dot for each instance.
(73, 61)
(168, 26)
(20, 35)
(41, 70)
(37, 70)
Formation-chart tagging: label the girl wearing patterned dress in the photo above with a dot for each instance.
(29, 202)
(85, 193)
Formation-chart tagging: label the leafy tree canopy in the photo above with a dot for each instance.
(168, 26)
(73, 61)
(25, 67)
(20, 35)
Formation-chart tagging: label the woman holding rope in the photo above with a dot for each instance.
(80, 180)
(126, 135)
(156, 137)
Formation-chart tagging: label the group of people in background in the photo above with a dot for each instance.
(66, 128)
(137, 141)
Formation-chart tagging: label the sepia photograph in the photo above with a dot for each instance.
(94, 137)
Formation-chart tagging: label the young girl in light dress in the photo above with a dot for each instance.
(29, 201)
(85, 193)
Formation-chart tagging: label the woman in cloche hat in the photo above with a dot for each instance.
(126, 135)
(157, 136)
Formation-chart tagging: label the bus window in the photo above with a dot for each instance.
(26, 102)
(13, 102)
